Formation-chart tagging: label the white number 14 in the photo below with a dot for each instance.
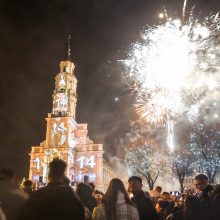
(86, 161)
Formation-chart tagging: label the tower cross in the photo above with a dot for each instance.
(69, 49)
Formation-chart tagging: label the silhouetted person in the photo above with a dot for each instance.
(56, 201)
(11, 197)
(204, 191)
(155, 194)
(66, 181)
(163, 209)
(28, 186)
(98, 196)
(92, 185)
(193, 208)
(143, 203)
(166, 196)
(215, 204)
(84, 191)
(190, 211)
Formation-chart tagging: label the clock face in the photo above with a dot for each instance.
(62, 82)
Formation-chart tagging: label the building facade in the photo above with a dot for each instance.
(68, 140)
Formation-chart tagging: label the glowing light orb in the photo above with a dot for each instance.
(161, 15)
(116, 99)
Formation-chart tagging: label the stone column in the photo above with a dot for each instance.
(31, 165)
(99, 169)
(48, 138)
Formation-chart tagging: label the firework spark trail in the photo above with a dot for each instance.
(175, 66)
(184, 11)
(170, 135)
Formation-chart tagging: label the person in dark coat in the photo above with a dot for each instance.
(204, 192)
(163, 209)
(215, 204)
(190, 211)
(144, 205)
(84, 191)
(12, 198)
(28, 187)
(56, 201)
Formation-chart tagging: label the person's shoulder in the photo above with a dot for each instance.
(92, 201)
(88, 214)
(20, 193)
(40, 191)
(56, 187)
(99, 212)
(100, 206)
(51, 190)
(143, 197)
(178, 213)
(209, 189)
(170, 217)
(147, 199)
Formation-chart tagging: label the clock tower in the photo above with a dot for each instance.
(65, 138)
(64, 96)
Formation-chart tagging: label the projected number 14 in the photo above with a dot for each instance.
(86, 162)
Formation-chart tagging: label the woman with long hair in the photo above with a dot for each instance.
(116, 204)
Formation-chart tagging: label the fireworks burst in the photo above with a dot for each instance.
(175, 65)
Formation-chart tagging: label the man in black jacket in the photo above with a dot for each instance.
(204, 192)
(144, 205)
(56, 201)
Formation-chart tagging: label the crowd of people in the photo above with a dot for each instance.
(59, 201)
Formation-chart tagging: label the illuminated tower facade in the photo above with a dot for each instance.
(66, 139)
(64, 96)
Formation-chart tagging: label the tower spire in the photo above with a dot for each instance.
(69, 49)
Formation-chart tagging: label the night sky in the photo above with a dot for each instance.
(33, 42)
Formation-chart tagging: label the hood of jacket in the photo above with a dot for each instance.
(120, 198)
